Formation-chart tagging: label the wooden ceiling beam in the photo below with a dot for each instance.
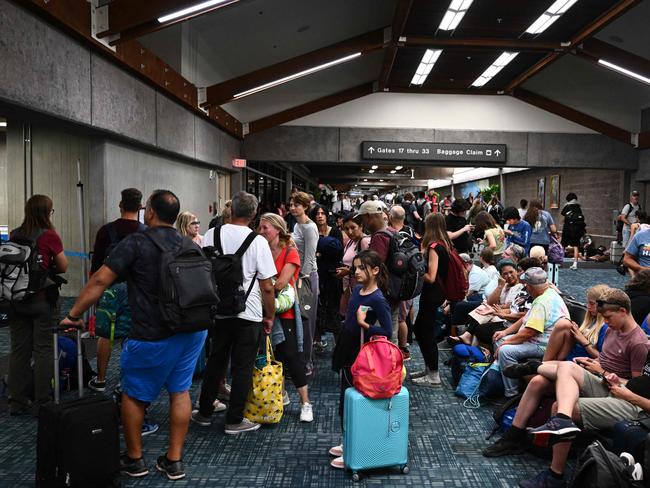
(612, 14)
(225, 91)
(594, 49)
(441, 91)
(131, 19)
(479, 43)
(573, 115)
(310, 107)
(402, 10)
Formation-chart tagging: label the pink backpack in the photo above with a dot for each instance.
(377, 371)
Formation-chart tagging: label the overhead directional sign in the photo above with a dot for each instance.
(434, 151)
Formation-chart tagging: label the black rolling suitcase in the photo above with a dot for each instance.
(78, 441)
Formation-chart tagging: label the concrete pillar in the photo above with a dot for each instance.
(453, 192)
(645, 119)
(288, 184)
(502, 185)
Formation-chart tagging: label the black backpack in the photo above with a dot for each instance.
(599, 468)
(406, 267)
(187, 295)
(229, 275)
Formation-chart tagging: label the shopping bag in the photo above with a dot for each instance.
(264, 402)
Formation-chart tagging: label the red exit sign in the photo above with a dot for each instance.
(238, 163)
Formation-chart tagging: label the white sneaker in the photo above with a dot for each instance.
(219, 406)
(306, 413)
(574, 265)
(337, 463)
(431, 379)
(337, 451)
(285, 398)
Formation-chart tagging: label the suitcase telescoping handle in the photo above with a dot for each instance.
(80, 379)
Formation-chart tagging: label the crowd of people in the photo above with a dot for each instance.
(336, 258)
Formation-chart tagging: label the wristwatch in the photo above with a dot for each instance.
(74, 319)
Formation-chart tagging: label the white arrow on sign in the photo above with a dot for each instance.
(497, 152)
(371, 149)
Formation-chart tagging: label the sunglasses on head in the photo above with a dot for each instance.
(602, 303)
(196, 222)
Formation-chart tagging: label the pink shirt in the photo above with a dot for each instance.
(624, 354)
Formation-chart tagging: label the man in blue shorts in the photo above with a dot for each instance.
(152, 357)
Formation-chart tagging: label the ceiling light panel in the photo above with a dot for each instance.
(498, 65)
(295, 76)
(426, 65)
(454, 14)
(624, 71)
(553, 13)
(193, 9)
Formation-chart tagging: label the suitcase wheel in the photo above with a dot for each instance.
(356, 476)
(404, 469)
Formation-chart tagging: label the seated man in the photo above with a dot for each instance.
(581, 393)
(527, 338)
(514, 252)
(518, 230)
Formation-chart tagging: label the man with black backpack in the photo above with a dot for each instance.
(627, 218)
(243, 267)
(172, 298)
(406, 266)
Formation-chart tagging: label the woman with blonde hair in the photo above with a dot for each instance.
(287, 263)
(188, 225)
(571, 340)
(436, 247)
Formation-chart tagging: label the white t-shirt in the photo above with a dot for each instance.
(257, 258)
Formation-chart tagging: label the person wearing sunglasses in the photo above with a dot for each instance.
(188, 225)
(592, 393)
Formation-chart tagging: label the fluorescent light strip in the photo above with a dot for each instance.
(494, 68)
(455, 13)
(624, 71)
(190, 10)
(3, 124)
(553, 13)
(286, 79)
(426, 65)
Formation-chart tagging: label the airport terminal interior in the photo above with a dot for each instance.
(445, 100)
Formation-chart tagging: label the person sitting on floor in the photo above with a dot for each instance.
(593, 393)
(528, 337)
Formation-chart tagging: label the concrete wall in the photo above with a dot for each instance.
(474, 112)
(525, 149)
(47, 71)
(125, 167)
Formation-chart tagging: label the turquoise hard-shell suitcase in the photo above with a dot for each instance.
(375, 432)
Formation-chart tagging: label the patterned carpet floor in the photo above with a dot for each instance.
(445, 438)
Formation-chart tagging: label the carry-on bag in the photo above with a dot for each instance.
(375, 432)
(78, 441)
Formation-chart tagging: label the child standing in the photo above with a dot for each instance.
(368, 311)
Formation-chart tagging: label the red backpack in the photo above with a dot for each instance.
(455, 284)
(377, 371)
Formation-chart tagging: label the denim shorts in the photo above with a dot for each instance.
(147, 366)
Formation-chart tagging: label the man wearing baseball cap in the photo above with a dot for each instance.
(527, 338)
